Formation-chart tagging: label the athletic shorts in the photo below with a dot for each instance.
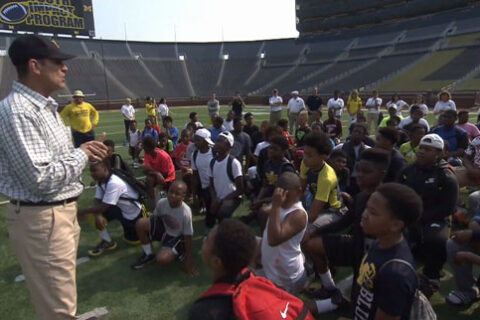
(340, 249)
(129, 231)
(157, 233)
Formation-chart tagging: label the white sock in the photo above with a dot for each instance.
(104, 235)
(147, 248)
(324, 306)
(327, 280)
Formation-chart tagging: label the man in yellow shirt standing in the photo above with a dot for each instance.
(82, 118)
(151, 107)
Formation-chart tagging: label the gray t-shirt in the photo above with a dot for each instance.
(177, 221)
(241, 146)
(213, 107)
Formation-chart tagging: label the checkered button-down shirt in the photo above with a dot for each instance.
(37, 158)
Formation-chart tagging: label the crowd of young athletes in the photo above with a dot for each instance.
(321, 197)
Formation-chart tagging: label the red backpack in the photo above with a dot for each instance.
(258, 298)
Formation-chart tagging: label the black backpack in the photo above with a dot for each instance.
(229, 167)
(137, 185)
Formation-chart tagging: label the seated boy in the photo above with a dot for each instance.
(114, 200)
(461, 249)
(149, 130)
(387, 281)
(321, 181)
(226, 180)
(338, 161)
(333, 248)
(116, 161)
(180, 156)
(135, 143)
(171, 224)
(159, 167)
(226, 250)
(164, 143)
(269, 173)
(282, 257)
(170, 130)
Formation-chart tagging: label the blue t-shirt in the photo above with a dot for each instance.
(174, 136)
(150, 132)
(456, 137)
(392, 290)
(216, 132)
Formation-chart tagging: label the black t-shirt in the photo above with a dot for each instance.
(392, 290)
(250, 130)
(237, 106)
(314, 103)
(270, 172)
(300, 133)
(397, 164)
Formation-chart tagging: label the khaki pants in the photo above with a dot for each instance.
(372, 118)
(45, 241)
(275, 116)
(292, 122)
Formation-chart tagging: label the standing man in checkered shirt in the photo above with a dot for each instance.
(40, 172)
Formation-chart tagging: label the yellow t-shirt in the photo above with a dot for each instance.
(80, 117)
(353, 105)
(327, 185)
(151, 110)
(409, 153)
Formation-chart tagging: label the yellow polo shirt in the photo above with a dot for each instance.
(151, 110)
(80, 117)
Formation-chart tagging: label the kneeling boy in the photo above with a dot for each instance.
(114, 200)
(171, 224)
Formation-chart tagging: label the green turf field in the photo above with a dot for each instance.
(153, 292)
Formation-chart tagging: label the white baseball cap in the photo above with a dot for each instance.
(393, 105)
(227, 135)
(205, 134)
(294, 92)
(432, 140)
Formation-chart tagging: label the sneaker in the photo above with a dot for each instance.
(101, 247)
(143, 260)
(428, 286)
(461, 299)
(136, 165)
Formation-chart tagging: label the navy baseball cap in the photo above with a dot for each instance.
(31, 46)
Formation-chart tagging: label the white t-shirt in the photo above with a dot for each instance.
(228, 125)
(162, 110)
(296, 105)
(115, 189)
(177, 221)
(283, 264)
(406, 121)
(202, 165)
(275, 100)
(221, 181)
(128, 111)
(400, 105)
(135, 137)
(373, 105)
(262, 145)
(198, 124)
(422, 107)
(444, 106)
(336, 105)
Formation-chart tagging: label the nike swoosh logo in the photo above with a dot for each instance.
(284, 313)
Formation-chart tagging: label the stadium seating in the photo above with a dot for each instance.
(424, 52)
